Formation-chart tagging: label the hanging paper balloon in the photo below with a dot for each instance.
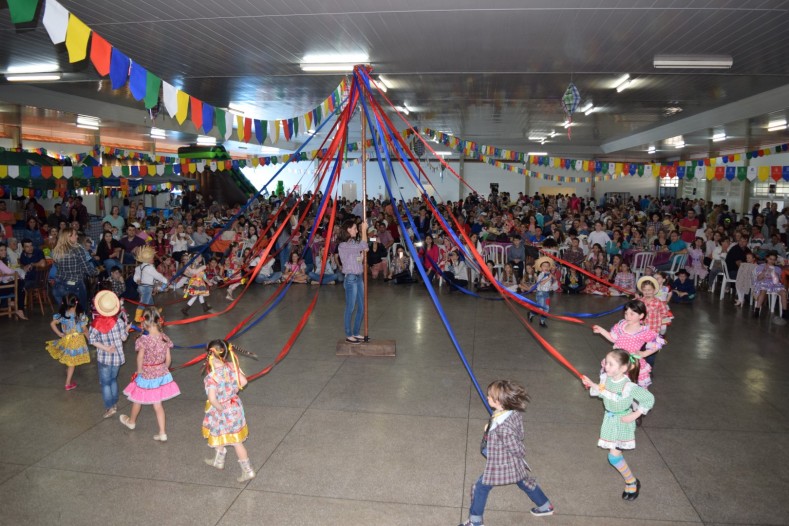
(570, 101)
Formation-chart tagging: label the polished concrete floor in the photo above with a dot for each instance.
(392, 441)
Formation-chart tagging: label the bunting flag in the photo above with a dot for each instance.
(228, 125)
(119, 69)
(77, 36)
(183, 106)
(100, 53)
(197, 112)
(287, 129)
(138, 81)
(152, 86)
(208, 118)
(22, 11)
(170, 98)
(221, 123)
(260, 130)
(240, 127)
(275, 134)
(55, 21)
(247, 129)
(751, 173)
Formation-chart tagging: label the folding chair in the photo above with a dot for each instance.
(726, 280)
(641, 262)
(9, 295)
(677, 262)
(39, 290)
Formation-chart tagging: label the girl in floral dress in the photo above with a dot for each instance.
(696, 266)
(631, 336)
(152, 384)
(71, 326)
(224, 423)
(197, 286)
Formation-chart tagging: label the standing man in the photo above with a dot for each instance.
(688, 226)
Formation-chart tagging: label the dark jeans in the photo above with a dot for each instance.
(62, 288)
(479, 497)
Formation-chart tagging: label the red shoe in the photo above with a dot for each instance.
(71, 387)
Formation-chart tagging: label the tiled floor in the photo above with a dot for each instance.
(379, 441)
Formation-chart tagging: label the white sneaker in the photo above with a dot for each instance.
(160, 438)
(125, 421)
(779, 321)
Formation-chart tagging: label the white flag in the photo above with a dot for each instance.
(752, 173)
(55, 21)
(170, 97)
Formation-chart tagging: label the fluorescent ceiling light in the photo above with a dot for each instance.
(692, 61)
(679, 144)
(621, 80)
(32, 77)
(336, 58)
(537, 153)
(536, 138)
(158, 133)
(402, 109)
(408, 108)
(328, 67)
(269, 150)
(721, 136)
(777, 125)
(552, 134)
(626, 84)
(651, 149)
(33, 68)
(567, 123)
(381, 86)
(87, 126)
(87, 120)
(444, 154)
(206, 140)
(386, 82)
(586, 107)
(591, 109)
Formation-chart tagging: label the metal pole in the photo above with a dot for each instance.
(364, 220)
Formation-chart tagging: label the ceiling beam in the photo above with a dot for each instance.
(774, 100)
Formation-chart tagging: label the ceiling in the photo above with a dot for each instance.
(493, 72)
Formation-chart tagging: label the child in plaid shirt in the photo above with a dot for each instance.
(108, 330)
(503, 448)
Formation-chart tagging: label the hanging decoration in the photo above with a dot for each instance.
(570, 101)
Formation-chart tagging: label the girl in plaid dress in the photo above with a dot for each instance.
(224, 423)
(618, 391)
(505, 453)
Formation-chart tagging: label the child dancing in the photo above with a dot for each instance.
(70, 324)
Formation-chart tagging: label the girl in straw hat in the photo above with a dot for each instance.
(108, 331)
(146, 277)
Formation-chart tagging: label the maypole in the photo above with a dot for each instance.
(364, 221)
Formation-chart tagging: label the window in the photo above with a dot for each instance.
(770, 188)
(669, 182)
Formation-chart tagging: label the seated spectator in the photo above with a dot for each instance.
(32, 232)
(573, 282)
(400, 268)
(457, 272)
(683, 290)
(31, 260)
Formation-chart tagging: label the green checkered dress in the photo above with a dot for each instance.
(618, 397)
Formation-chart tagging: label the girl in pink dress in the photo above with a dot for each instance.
(152, 384)
(632, 336)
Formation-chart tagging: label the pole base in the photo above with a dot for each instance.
(368, 348)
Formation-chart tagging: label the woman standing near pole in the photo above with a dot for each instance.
(352, 257)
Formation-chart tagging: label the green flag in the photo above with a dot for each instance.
(152, 86)
(22, 11)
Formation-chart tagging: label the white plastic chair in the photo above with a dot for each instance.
(677, 262)
(726, 280)
(642, 261)
(497, 254)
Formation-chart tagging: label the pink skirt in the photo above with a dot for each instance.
(151, 391)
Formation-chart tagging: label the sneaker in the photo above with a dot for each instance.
(71, 387)
(125, 421)
(160, 438)
(352, 339)
(537, 512)
(531, 316)
(779, 321)
(469, 523)
(111, 411)
(543, 324)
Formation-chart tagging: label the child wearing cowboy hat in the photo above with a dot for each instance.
(658, 314)
(546, 283)
(146, 276)
(108, 330)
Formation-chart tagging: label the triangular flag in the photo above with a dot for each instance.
(68, 171)
(764, 173)
(308, 120)
(742, 173)
(138, 80)
(287, 129)
(228, 125)
(197, 112)
(259, 133)
(648, 170)
(776, 172)
(22, 11)
(119, 69)
(751, 173)
(240, 127)
(221, 123)
(170, 98)
(152, 86)
(208, 118)
(77, 36)
(247, 129)
(275, 135)
(56, 21)
(183, 106)
(100, 52)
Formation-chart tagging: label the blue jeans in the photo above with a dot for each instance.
(542, 301)
(108, 380)
(260, 278)
(354, 298)
(315, 276)
(146, 295)
(479, 497)
(62, 288)
(109, 264)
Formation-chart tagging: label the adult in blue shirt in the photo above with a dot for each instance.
(677, 247)
(31, 260)
(33, 232)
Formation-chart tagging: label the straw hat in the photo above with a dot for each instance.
(541, 260)
(647, 279)
(145, 254)
(107, 303)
